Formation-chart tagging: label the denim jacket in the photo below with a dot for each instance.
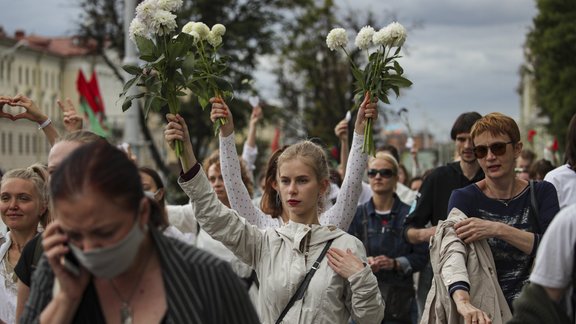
(385, 238)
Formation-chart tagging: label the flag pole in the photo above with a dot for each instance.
(132, 129)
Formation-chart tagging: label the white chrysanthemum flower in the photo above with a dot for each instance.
(170, 5)
(337, 38)
(382, 37)
(397, 33)
(214, 39)
(202, 30)
(195, 35)
(364, 38)
(219, 29)
(188, 27)
(163, 22)
(137, 28)
(145, 11)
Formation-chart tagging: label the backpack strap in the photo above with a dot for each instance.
(38, 251)
(299, 294)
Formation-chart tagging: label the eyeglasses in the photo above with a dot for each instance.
(384, 173)
(498, 148)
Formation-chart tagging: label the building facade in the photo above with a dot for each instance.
(45, 70)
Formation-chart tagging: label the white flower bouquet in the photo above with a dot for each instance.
(174, 61)
(382, 73)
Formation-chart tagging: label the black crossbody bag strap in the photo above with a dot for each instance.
(533, 215)
(305, 282)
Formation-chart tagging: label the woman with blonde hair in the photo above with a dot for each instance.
(23, 206)
(378, 224)
(286, 258)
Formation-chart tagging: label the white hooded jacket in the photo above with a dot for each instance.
(277, 258)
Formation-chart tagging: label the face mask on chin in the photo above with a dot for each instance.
(111, 261)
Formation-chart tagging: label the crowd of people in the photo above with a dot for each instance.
(486, 238)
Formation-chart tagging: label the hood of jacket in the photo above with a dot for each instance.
(294, 233)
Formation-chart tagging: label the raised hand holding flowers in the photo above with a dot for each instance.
(174, 61)
(205, 67)
(381, 74)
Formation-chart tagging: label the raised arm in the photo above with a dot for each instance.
(221, 223)
(230, 165)
(342, 213)
(341, 131)
(250, 150)
(34, 114)
(72, 121)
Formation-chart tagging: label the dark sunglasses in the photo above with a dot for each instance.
(498, 148)
(384, 173)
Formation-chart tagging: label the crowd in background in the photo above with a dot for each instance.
(90, 237)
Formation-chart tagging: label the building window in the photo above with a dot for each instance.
(19, 75)
(9, 143)
(27, 75)
(35, 144)
(3, 143)
(20, 144)
(46, 79)
(27, 144)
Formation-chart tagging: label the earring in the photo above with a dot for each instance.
(277, 199)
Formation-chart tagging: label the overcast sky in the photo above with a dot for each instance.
(464, 57)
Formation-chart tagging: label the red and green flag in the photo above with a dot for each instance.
(91, 103)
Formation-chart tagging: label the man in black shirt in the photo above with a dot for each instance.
(432, 203)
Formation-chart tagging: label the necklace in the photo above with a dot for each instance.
(126, 313)
(505, 201)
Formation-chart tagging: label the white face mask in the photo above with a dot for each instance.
(151, 195)
(113, 260)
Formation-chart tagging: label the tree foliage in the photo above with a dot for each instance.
(251, 25)
(552, 53)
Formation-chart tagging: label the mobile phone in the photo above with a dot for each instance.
(71, 263)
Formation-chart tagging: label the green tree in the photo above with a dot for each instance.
(552, 53)
(251, 31)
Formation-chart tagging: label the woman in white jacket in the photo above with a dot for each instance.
(343, 287)
(272, 214)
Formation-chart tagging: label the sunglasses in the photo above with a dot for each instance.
(498, 148)
(384, 173)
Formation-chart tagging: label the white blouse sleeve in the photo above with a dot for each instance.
(342, 213)
(237, 193)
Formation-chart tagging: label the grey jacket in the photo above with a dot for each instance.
(280, 264)
(452, 261)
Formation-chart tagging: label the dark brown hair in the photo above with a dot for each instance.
(163, 222)
(104, 169)
(270, 203)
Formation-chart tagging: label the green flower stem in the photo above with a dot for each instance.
(368, 146)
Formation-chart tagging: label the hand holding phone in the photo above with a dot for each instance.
(71, 264)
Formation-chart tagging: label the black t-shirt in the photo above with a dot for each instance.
(435, 192)
(25, 267)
